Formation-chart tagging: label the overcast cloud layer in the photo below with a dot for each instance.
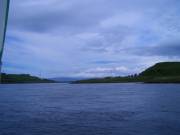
(88, 38)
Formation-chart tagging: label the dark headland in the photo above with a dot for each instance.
(164, 72)
(22, 78)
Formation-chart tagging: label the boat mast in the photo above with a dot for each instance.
(4, 8)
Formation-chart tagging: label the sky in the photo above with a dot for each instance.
(90, 38)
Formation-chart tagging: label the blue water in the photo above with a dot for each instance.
(90, 109)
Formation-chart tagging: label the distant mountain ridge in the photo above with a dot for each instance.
(67, 79)
(163, 72)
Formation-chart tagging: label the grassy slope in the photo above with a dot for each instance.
(163, 69)
(165, 72)
(23, 78)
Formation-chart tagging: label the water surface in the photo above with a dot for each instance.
(90, 109)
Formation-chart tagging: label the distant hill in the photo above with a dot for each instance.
(23, 78)
(164, 72)
(66, 79)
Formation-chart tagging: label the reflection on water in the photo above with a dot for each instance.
(90, 109)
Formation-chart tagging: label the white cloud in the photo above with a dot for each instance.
(104, 71)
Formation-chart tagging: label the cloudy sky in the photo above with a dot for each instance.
(88, 38)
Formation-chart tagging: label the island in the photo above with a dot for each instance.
(164, 72)
(22, 78)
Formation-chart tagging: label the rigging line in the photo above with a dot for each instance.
(4, 19)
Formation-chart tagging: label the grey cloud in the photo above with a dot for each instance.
(171, 49)
(43, 18)
(68, 15)
(168, 49)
